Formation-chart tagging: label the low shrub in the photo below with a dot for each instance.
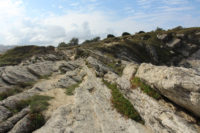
(110, 36)
(18, 54)
(122, 105)
(136, 82)
(70, 89)
(126, 34)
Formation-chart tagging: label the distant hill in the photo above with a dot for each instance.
(4, 48)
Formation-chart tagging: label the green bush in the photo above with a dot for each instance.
(110, 36)
(136, 82)
(74, 41)
(122, 105)
(37, 120)
(10, 92)
(63, 44)
(126, 34)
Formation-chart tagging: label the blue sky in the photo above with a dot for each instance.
(48, 22)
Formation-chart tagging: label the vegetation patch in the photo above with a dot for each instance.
(70, 89)
(17, 89)
(116, 67)
(9, 92)
(136, 82)
(18, 54)
(45, 76)
(37, 103)
(122, 105)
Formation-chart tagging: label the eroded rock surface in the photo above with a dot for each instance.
(181, 85)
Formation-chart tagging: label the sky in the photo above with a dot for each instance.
(49, 22)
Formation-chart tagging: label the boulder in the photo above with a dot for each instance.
(181, 85)
(42, 68)
(17, 74)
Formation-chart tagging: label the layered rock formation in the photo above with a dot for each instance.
(80, 80)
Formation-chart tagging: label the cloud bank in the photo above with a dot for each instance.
(50, 28)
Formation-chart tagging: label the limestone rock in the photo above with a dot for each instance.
(23, 126)
(91, 112)
(162, 37)
(17, 74)
(4, 113)
(9, 123)
(157, 116)
(192, 62)
(180, 85)
(174, 43)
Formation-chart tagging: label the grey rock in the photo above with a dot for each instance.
(198, 33)
(9, 124)
(17, 74)
(23, 126)
(4, 113)
(157, 116)
(162, 37)
(152, 51)
(181, 85)
(42, 68)
(174, 43)
(12, 101)
(180, 35)
(192, 62)
(91, 112)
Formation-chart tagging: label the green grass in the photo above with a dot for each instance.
(70, 89)
(37, 103)
(118, 69)
(18, 54)
(9, 92)
(136, 82)
(17, 89)
(122, 105)
(45, 76)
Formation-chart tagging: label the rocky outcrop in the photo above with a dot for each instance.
(156, 115)
(192, 62)
(181, 85)
(92, 112)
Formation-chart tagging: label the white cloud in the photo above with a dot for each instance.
(17, 28)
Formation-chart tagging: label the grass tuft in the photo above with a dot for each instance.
(123, 105)
(70, 89)
(136, 82)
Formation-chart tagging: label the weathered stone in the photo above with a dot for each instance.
(157, 116)
(180, 35)
(4, 113)
(192, 62)
(17, 74)
(180, 85)
(91, 112)
(152, 51)
(174, 43)
(42, 68)
(8, 124)
(12, 101)
(23, 126)
(162, 37)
